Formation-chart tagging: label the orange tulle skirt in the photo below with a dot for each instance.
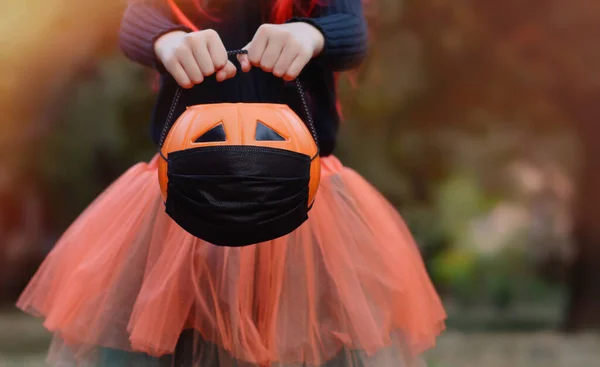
(124, 280)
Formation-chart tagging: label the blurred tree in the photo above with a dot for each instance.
(533, 62)
(45, 47)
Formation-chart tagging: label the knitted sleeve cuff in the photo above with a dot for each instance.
(143, 23)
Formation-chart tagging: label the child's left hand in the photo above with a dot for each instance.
(283, 49)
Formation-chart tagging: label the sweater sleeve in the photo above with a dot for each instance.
(143, 23)
(344, 28)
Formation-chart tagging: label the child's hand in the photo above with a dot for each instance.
(190, 57)
(283, 49)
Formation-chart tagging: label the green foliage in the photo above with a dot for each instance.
(460, 199)
(423, 222)
(103, 131)
(457, 270)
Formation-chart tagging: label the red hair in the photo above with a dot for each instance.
(282, 11)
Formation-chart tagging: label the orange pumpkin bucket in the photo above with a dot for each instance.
(236, 174)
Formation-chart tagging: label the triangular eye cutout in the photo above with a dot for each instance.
(265, 133)
(217, 133)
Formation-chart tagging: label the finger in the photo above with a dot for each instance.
(257, 46)
(188, 62)
(296, 67)
(217, 51)
(226, 72)
(287, 56)
(271, 54)
(179, 74)
(244, 61)
(203, 59)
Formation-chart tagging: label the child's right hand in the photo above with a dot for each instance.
(190, 57)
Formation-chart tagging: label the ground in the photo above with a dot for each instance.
(23, 342)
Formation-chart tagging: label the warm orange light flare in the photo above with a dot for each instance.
(43, 45)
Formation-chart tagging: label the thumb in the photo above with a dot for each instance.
(244, 61)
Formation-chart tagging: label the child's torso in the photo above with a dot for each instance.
(236, 21)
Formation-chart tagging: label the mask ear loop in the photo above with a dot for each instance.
(309, 122)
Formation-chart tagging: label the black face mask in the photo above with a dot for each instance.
(238, 195)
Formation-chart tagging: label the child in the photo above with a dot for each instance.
(126, 286)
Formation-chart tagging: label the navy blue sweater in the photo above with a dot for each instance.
(341, 22)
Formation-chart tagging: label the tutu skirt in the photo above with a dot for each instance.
(125, 286)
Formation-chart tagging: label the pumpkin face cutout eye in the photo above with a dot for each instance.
(265, 133)
(215, 134)
(261, 125)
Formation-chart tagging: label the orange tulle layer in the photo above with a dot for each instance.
(124, 276)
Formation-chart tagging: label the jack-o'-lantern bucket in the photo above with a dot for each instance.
(236, 174)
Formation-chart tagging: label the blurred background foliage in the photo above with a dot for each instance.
(478, 119)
